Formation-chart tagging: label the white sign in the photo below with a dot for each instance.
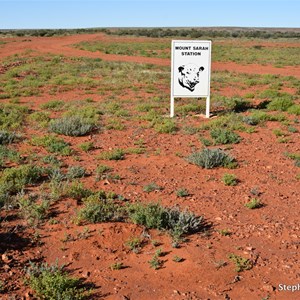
(190, 71)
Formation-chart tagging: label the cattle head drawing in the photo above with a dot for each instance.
(189, 76)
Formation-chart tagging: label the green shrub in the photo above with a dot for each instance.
(165, 126)
(259, 117)
(14, 179)
(53, 144)
(212, 158)
(53, 105)
(12, 115)
(295, 157)
(40, 117)
(134, 244)
(102, 172)
(153, 215)
(75, 172)
(7, 137)
(32, 211)
(281, 104)
(77, 191)
(224, 136)
(117, 266)
(86, 146)
(294, 109)
(52, 283)
(254, 203)
(229, 179)
(71, 126)
(151, 187)
(182, 192)
(241, 264)
(100, 207)
(116, 154)
(10, 155)
(155, 262)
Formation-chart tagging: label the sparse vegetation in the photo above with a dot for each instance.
(241, 263)
(116, 154)
(71, 126)
(254, 203)
(229, 179)
(52, 282)
(212, 158)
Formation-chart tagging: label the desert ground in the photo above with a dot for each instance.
(126, 155)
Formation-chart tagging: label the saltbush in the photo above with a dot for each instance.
(224, 136)
(52, 283)
(7, 137)
(14, 179)
(71, 126)
(153, 215)
(212, 158)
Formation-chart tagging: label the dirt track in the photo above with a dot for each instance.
(63, 45)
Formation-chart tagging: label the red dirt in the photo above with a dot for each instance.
(268, 237)
(62, 46)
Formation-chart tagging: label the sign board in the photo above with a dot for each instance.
(190, 71)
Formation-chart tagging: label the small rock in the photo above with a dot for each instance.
(6, 258)
(268, 288)
(176, 292)
(86, 274)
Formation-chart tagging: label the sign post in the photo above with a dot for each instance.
(190, 71)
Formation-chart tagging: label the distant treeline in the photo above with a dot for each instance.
(164, 32)
(48, 32)
(212, 33)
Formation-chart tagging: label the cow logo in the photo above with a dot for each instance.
(189, 76)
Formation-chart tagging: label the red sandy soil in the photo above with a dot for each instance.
(269, 237)
(62, 45)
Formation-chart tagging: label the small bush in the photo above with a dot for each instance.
(116, 154)
(153, 215)
(102, 172)
(155, 262)
(294, 109)
(32, 211)
(117, 266)
(229, 179)
(182, 192)
(12, 115)
(53, 105)
(254, 203)
(281, 104)
(259, 117)
(241, 264)
(151, 187)
(53, 144)
(52, 283)
(7, 137)
(224, 136)
(100, 207)
(134, 244)
(71, 126)
(75, 172)
(87, 146)
(212, 158)
(8, 155)
(13, 180)
(41, 118)
(77, 191)
(165, 126)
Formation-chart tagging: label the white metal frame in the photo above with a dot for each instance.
(172, 102)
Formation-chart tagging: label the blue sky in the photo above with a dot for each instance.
(19, 14)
